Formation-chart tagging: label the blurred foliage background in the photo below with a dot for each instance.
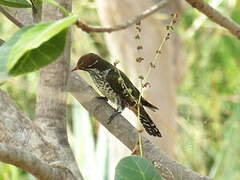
(208, 99)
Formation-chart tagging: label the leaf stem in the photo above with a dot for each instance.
(63, 9)
(158, 52)
(140, 143)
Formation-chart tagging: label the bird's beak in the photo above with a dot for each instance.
(76, 68)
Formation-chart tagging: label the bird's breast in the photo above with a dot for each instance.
(104, 87)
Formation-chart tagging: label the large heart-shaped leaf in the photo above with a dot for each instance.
(33, 47)
(136, 168)
(16, 3)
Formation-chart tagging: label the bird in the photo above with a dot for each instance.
(117, 87)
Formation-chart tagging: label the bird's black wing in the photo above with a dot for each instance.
(121, 84)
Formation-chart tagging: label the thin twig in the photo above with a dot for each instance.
(144, 14)
(19, 16)
(152, 64)
(216, 16)
(10, 17)
(138, 113)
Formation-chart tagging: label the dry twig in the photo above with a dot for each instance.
(216, 16)
(144, 14)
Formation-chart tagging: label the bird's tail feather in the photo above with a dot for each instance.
(148, 105)
(146, 121)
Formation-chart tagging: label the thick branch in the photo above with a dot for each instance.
(16, 129)
(51, 97)
(216, 16)
(145, 14)
(18, 132)
(126, 133)
(30, 163)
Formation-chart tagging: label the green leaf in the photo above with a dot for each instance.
(33, 47)
(136, 168)
(16, 3)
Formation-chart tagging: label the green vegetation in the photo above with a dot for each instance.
(135, 167)
(208, 98)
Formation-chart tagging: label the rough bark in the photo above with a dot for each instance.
(51, 99)
(18, 133)
(30, 163)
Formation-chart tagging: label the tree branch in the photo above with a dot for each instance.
(126, 133)
(51, 96)
(16, 129)
(30, 163)
(20, 133)
(216, 16)
(19, 16)
(145, 14)
(48, 151)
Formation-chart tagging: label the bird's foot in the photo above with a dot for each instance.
(113, 116)
(102, 97)
(140, 130)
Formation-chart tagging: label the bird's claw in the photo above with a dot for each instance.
(113, 116)
(102, 97)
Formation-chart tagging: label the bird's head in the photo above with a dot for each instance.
(87, 62)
